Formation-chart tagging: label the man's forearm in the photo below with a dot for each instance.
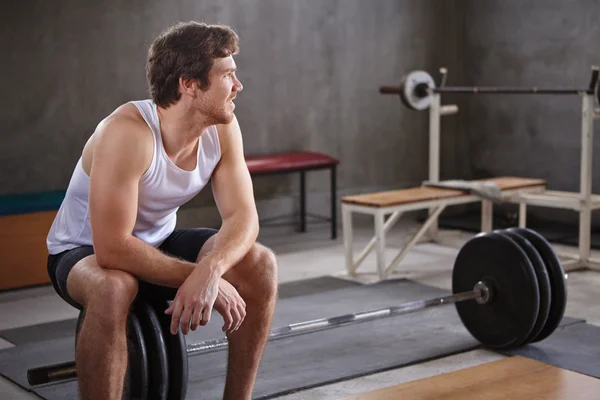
(145, 262)
(233, 241)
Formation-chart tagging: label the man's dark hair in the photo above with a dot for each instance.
(188, 50)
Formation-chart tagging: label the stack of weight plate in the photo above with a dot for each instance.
(527, 282)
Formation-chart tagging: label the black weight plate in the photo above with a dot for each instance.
(541, 273)
(508, 318)
(176, 352)
(138, 375)
(558, 284)
(157, 351)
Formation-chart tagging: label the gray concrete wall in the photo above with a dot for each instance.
(545, 43)
(311, 72)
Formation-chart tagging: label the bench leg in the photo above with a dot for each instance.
(348, 236)
(380, 243)
(486, 216)
(389, 224)
(302, 201)
(522, 214)
(424, 228)
(333, 202)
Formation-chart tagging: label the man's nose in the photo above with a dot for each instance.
(238, 85)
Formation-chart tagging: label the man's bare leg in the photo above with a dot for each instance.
(255, 279)
(101, 353)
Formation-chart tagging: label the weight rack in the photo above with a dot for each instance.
(583, 201)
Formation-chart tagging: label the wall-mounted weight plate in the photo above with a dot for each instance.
(415, 94)
(508, 318)
(156, 349)
(176, 352)
(541, 273)
(556, 274)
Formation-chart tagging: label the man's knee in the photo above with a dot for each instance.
(113, 295)
(260, 269)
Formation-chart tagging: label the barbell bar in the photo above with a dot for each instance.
(495, 90)
(481, 293)
(417, 87)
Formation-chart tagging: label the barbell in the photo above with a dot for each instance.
(417, 87)
(508, 287)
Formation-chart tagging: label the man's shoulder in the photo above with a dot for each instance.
(123, 130)
(126, 115)
(125, 123)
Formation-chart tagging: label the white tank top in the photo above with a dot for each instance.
(163, 188)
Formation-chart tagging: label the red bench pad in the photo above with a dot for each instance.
(288, 161)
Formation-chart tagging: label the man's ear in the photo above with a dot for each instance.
(188, 86)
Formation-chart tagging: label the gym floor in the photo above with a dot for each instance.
(427, 263)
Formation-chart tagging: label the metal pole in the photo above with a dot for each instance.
(585, 185)
(434, 153)
(493, 90)
(64, 371)
(335, 322)
(509, 90)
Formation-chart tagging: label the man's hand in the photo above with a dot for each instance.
(231, 306)
(194, 300)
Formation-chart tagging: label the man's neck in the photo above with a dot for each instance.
(181, 127)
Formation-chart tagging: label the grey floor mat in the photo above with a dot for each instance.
(305, 361)
(48, 331)
(574, 347)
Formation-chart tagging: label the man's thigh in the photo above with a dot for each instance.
(185, 244)
(59, 270)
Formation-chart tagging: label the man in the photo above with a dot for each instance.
(114, 237)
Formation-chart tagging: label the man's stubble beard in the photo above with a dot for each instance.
(215, 115)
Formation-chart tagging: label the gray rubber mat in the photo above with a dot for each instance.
(300, 362)
(47, 331)
(575, 347)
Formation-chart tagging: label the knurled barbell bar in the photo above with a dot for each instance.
(416, 89)
(513, 276)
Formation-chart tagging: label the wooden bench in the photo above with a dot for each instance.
(24, 224)
(397, 202)
(300, 162)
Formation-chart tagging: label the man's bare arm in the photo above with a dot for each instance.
(234, 196)
(121, 154)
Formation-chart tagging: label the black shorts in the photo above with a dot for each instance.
(182, 243)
